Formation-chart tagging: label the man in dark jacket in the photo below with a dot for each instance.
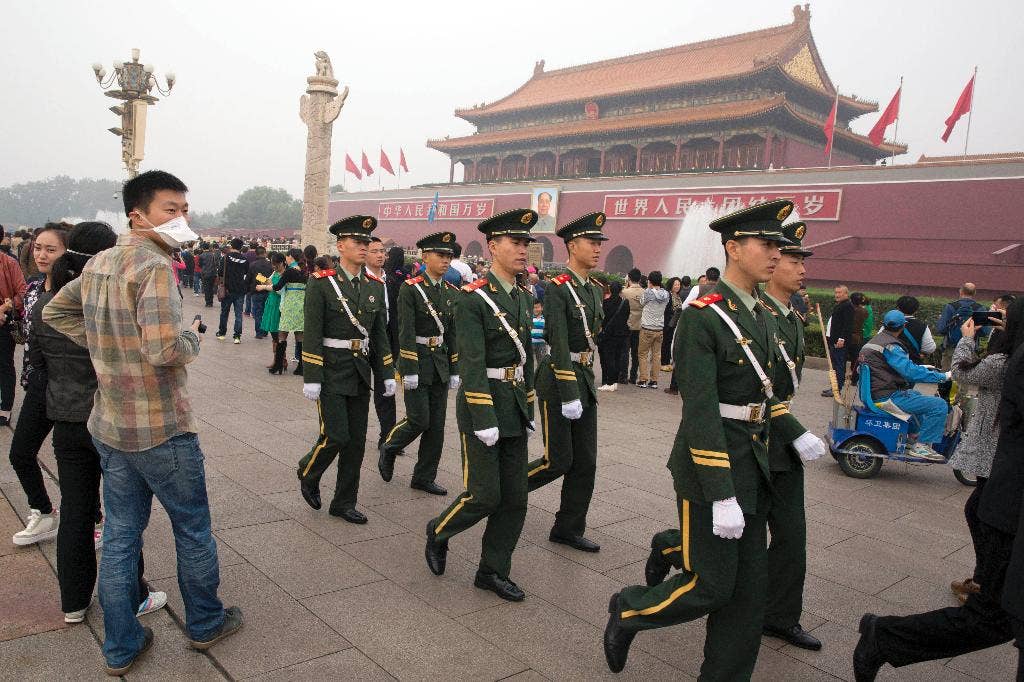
(235, 273)
(840, 332)
(260, 270)
(209, 266)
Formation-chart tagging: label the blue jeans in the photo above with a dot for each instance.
(248, 304)
(197, 283)
(930, 412)
(225, 307)
(838, 363)
(259, 302)
(173, 471)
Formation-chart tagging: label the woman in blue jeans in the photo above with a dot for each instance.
(70, 386)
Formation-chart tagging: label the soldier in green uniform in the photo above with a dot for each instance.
(344, 320)
(565, 382)
(427, 362)
(494, 407)
(787, 554)
(719, 461)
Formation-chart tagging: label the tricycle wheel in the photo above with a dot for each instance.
(861, 459)
(966, 479)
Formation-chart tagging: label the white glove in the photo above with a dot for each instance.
(572, 409)
(311, 391)
(949, 376)
(533, 428)
(454, 381)
(488, 436)
(411, 382)
(389, 387)
(727, 519)
(809, 447)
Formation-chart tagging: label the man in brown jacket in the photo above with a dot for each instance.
(632, 294)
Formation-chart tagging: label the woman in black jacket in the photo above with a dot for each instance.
(614, 337)
(70, 388)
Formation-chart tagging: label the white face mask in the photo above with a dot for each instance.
(174, 232)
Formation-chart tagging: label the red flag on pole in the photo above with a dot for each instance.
(385, 162)
(367, 168)
(963, 106)
(830, 128)
(351, 167)
(889, 116)
(401, 160)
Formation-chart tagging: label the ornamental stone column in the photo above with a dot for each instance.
(318, 109)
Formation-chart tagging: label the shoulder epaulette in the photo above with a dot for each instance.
(561, 279)
(705, 301)
(473, 286)
(324, 273)
(769, 308)
(414, 280)
(375, 278)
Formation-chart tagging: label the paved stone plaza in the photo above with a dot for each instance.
(324, 599)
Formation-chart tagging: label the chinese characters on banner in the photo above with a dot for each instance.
(809, 204)
(474, 208)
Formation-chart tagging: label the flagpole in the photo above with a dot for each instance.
(832, 141)
(896, 130)
(970, 113)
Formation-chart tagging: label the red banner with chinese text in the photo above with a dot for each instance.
(809, 204)
(474, 208)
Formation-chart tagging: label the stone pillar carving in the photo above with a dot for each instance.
(318, 109)
(720, 161)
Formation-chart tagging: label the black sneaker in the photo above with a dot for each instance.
(147, 641)
(232, 623)
(641, 384)
(653, 384)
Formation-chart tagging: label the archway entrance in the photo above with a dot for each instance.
(619, 260)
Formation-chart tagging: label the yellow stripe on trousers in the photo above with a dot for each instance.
(320, 443)
(394, 428)
(465, 482)
(684, 518)
(547, 456)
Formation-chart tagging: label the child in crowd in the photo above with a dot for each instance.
(537, 334)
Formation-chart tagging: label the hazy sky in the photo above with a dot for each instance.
(232, 121)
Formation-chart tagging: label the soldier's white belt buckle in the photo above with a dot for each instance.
(433, 342)
(583, 357)
(754, 412)
(510, 374)
(356, 344)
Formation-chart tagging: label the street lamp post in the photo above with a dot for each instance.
(135, 81)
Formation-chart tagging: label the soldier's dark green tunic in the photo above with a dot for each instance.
(427, 404)
(495, 477)
(570, 446)
(714, 458)
(344, 374)
(787, 554)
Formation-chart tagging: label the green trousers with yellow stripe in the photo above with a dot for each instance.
(342, 435)
(495, 480)
(723, 579)
(425, 409)
(570, 450)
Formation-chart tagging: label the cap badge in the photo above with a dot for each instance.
(800, 231)
(784, 212)
(599, 220)
(527, 217)
(369, 221)
(447, 237)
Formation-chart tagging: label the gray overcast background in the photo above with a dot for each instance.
(232, 121)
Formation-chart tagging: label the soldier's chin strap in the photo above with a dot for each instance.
(745, 345)
(365, 345)
(430, 307)
(504, 323)
(583, 314)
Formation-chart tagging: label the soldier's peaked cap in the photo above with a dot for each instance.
(443, 242)
(588, 226)
(763, 221)
(795, 233)
(515, 223)
(355, 226)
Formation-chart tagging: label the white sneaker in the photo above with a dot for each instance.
(606, 387)
(39, 527)
(77, 616)
(97, 535)
(923, 451)
(154, 602)
(614, 387)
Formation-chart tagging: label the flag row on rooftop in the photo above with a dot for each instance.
(364, 168)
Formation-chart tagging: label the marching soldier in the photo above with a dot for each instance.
(565, 382)
(427, 362)
(494, 407)
(344, 319)
(719, 462)
(787, 555)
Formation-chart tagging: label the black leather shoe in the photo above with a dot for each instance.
(657, 568)
(436, 551)
(795, 635)
(385, 463)
(575, 541)
(616, 639)
(867, 659)
(428, 487)
(503, 587)
(350, 514)
(310, 492)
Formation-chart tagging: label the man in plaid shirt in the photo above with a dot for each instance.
(126, 309)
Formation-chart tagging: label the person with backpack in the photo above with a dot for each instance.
(954, 314)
